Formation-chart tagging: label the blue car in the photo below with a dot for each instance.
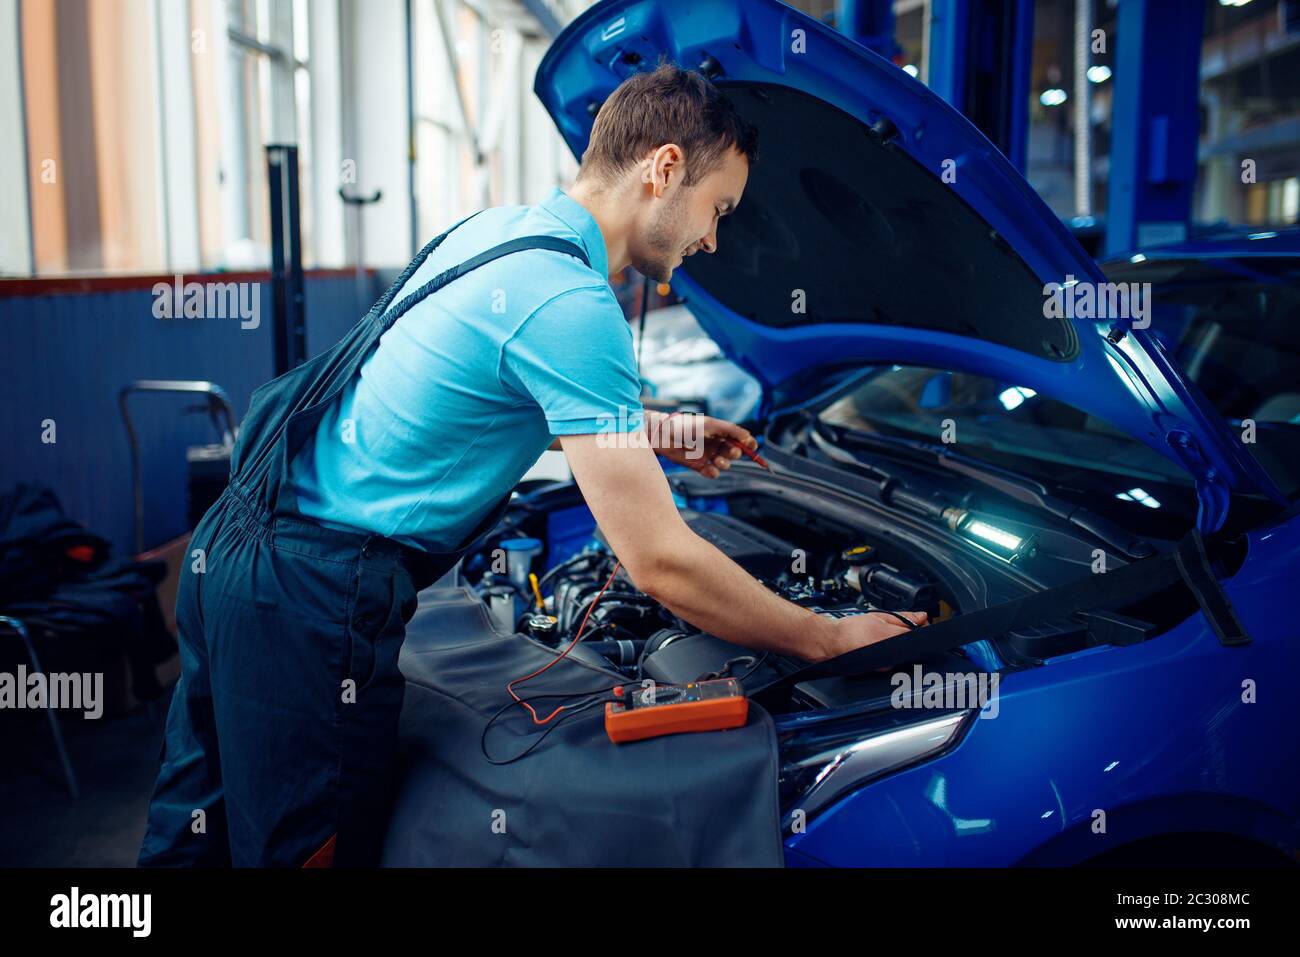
(952, 426)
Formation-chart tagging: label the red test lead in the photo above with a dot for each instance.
(758, 459)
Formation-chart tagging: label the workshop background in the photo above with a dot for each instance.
(151, 141)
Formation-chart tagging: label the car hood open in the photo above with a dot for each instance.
(879, 225)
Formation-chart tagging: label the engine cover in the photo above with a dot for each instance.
(749, 547)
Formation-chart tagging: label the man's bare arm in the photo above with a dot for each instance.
(629, 496)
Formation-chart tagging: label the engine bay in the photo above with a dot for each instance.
(828, 569)
(835, 541)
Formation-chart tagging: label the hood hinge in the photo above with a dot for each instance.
(1213, 495)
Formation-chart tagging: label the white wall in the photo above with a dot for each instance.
(176, 143)
(375, 127)
(15, 235)
(547, 162)
(358, 113)
(329, 230)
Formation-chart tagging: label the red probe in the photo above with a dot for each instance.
(758, 459)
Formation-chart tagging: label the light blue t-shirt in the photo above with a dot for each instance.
(466, 390)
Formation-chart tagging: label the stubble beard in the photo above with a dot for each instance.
(663, 242)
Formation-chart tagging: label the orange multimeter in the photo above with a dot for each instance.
(650, 710)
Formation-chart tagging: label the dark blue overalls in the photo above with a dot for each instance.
(281, 739)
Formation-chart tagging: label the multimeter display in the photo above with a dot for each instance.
(650, 710)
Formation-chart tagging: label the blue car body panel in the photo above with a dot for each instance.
(1155, 735)
(1161, 736)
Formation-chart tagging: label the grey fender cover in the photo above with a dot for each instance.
(702, 799)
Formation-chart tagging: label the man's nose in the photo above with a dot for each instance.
(710, 242)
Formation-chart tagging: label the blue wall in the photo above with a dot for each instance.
(65, 356)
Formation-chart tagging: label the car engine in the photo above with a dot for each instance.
(630, 632)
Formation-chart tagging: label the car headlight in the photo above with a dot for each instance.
(824, 757)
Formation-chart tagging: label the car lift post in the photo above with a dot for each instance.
(981, 52)
(1156, 123)
(869, 22)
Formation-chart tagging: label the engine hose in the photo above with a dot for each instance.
(621, 651)
(610, 600)
(583, 557)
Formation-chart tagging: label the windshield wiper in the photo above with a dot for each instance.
(1013, 486)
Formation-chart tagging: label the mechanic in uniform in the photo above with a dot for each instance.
(363, 475)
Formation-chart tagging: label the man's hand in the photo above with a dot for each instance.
(858, 631)
(699, 442)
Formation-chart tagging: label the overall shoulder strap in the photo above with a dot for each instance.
(469, 265)
(387, 298)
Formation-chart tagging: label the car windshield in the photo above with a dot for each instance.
(1233, 327)
(1012, 427)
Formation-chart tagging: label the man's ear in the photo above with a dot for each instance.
(667, 166)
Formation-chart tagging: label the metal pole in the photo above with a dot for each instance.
(359, 203)
(217, 402)
(68, 774)
(410, 138)
(288, 328)
(1082, 102)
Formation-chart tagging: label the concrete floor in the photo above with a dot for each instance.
(115, 760)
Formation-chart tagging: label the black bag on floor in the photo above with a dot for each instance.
(60, 579)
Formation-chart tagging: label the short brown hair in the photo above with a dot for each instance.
(667, 105)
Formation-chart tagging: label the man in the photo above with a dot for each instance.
(364, 474)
